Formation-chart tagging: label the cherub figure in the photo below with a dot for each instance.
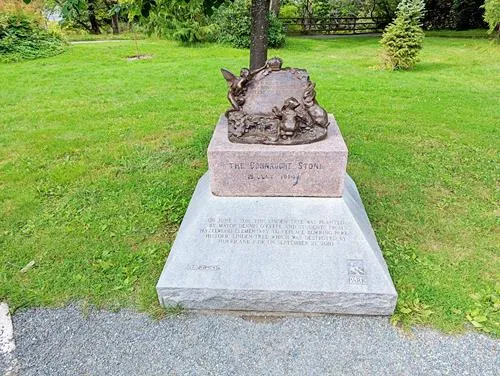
(237, 87)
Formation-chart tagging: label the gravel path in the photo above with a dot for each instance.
(67, 342)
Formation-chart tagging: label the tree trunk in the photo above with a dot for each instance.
(275, 7)
(94, 25)
(307, 16)
(114, 24)
(258, 38)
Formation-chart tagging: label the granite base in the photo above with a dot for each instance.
(282, 254)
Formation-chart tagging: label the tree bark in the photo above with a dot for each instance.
(275, 7)
(114, 24)
(258, 38)
(111, 8)
(94, 25)
(307, 16)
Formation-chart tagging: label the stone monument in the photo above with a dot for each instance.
(276, 224)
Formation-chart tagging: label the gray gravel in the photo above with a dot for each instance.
(67, 342)
(3, 363)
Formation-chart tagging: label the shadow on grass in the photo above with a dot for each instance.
(432, 66)
(320, 43)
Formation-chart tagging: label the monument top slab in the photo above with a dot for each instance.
(315, 170)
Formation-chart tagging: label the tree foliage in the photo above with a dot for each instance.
(384, 8)
(492, 16)
(346, 8)
(468, 14)
(439, 14)
(233, 23)
(88, 15)
(182, 20)
(23, 36)
(402, 39)
(186, 21)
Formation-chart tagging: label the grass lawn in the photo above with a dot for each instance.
(473, 33)
(99, 157)
(76, 37)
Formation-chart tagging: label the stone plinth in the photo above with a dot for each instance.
(300, 254)
(315, 170)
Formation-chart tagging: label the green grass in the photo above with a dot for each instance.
(473, 33)
(99, 158)
(75, 37)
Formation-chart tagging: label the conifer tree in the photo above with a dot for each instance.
(403, 38)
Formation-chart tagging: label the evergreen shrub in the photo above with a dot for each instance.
(402, 39)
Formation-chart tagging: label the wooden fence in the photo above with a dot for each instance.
(335, 25)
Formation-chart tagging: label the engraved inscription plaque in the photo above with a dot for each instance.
(272, 90)
(274, 231)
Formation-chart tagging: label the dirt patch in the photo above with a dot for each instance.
(139, 57)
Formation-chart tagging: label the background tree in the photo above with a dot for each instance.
(181, 20)
(29, 6)
(492, 16)
(274, 7)
(469, 14)
(344, 8)
(114, 12)
(89, 15)
(233, 23)
(258, 35)
(188, 21)
(385, 9)
(439, 14)
(209, 6)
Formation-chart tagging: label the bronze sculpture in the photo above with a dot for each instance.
(274, 105)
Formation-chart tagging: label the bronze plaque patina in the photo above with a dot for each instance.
(274, 105)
